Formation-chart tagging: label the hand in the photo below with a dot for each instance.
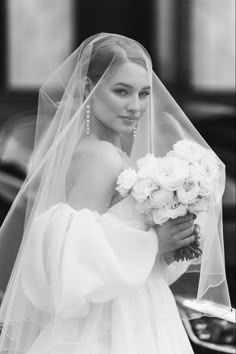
(175, 233)
(170, 257)
(191, 251)
(198, 235)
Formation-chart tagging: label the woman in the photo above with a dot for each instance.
(91, 275)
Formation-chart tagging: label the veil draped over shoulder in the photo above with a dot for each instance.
(62, 100)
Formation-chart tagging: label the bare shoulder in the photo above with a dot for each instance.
(95, 167)
(100, 153)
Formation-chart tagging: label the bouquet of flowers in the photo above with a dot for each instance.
(169, 187)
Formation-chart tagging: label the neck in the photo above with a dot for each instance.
(102, 132)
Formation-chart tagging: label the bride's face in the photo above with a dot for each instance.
(122, 98)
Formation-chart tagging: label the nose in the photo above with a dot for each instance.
(134, 104)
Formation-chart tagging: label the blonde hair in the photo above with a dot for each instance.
(112, 51)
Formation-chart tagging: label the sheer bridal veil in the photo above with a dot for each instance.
(62, 100)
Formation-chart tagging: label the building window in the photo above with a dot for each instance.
(196, 44)
(39, 38)
(213, 45)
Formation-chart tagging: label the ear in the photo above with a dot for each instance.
(89, 85)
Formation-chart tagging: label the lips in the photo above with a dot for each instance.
(129, 118)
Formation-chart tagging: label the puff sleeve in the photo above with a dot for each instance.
(75, 258)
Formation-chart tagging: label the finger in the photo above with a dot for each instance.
(184, 218)
(197, 228)
(198, 236)
(185, 225)
(187, 241)
(186, 233)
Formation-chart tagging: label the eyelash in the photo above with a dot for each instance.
(120, 91)
(145, 94)
(123, 92)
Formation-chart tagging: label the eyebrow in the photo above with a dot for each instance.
(130, 86)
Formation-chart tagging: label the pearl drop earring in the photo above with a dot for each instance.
(134, 132)
(88, 119)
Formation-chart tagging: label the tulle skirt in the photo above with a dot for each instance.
(145, 322)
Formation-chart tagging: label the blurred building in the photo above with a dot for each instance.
(192, 43)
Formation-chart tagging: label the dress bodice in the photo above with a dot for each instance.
(126, 210)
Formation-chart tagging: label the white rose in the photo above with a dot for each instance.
(208, 174)
(126, 181)
(194, 169)
(189, 150)
(146, 160)
(160, 197)
(189, 191)
(175, 209)
(159, 216)
(146, 166)
(201, 204)
(171, 172)
(195, 173)
(142, 189)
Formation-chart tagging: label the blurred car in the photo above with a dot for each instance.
(16, 145)
(214, 334)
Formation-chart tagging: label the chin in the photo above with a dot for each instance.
(127, 131)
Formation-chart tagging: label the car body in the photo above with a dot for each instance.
(210, 327)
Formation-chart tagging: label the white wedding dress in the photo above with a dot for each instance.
(104, 284)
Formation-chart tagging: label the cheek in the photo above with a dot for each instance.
(144, 106)
(111, 103)
(115, 102)
(100, 105)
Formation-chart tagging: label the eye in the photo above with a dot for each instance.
(144, 94)
(121, 92)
